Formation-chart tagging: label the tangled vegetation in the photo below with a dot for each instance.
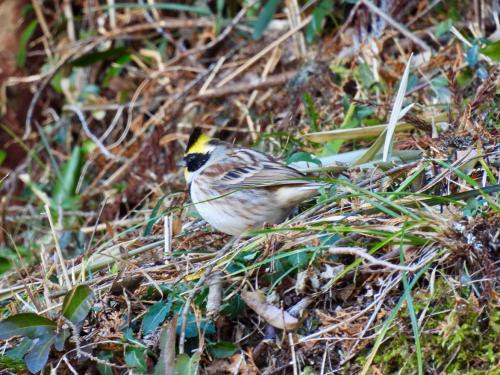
(106, 267)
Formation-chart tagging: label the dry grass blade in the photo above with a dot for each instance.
(396, 112)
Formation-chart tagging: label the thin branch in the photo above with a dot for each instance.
(402, 29)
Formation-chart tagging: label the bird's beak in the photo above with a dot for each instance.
(181, 163)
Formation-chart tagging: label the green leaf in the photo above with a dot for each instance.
(471, 208)
(319, 13)
(311, 111)
(222, 349)
(3, 156)
(23, 42)
(364, 76)
(303, 156)
(233, 307)
(443, 27)
(154, 216)
(204, 11)
(411, 309)
(65, 186)
(134, 357)
(61, 339)
(155, 316)
(265, 16)
(26, 324)
(492, 50)
(94, 57)
(185, 365)
(77, 303)
(20, 350)
(101, 367)
(13, 364)
(5, 265)
(192, 326)
(115, 69)
(39, 354)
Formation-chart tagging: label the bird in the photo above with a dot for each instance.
(238, 189)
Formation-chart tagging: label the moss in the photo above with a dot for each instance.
(459, 336)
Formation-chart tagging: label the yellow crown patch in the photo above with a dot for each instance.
(197, 142)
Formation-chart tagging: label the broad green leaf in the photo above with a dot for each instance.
(20, 350)
(222, 349)
(492, 50)
(77, 303)
(134, 357)
(155, 316)
(39, 354)
(185, 365)
(26, 324)
(265, 16)
(61, 339)
(23, 42)
(65, 186)
(192, 326)
(94, 57)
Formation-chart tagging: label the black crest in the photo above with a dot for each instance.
(195, 134)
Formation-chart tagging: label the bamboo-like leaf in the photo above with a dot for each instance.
(396, 112)
(354, 133)
(265, 16)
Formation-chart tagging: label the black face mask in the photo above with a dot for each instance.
(195, 161)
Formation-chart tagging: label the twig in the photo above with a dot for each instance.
(262, 53)
(360, 252)
(294, 358)
(217, 40)
(87, 131)
(58, 248)
(403, 30)
(237, 88)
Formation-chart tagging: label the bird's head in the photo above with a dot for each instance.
(197, 152)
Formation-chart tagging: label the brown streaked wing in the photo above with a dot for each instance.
(246, 168)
